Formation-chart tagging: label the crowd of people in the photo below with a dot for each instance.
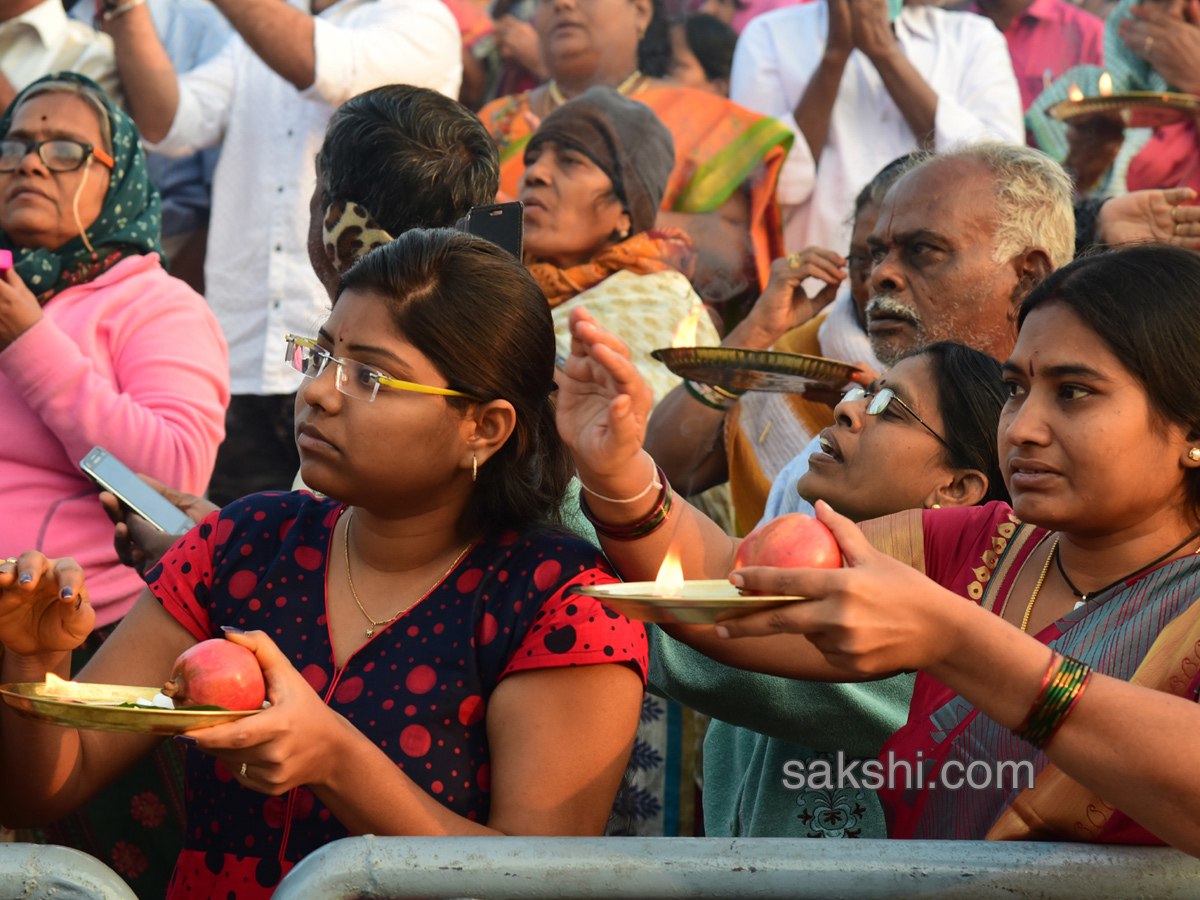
(211, 206)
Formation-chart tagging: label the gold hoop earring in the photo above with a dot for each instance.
(1194, 454)
(474, 467)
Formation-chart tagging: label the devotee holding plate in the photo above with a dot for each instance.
(448, 573)
(953, 226)
(703, 437)
(727, 158)
(1028, 622)
(926, 440)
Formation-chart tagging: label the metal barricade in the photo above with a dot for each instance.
(42, 872)
(721, 869)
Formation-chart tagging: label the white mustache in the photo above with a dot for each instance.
(887, 306)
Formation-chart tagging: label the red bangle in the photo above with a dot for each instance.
(1056, 659)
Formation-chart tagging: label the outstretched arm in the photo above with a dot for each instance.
(878, 615)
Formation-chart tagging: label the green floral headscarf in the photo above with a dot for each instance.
(130, 221)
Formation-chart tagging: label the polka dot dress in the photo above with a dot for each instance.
(419, 688)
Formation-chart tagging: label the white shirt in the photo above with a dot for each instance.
(258, 278)
(43, 40)
(962, 56)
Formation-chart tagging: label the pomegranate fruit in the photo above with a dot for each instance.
(792, 541)
(217, 673)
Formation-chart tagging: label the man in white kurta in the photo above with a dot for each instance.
(962, 58)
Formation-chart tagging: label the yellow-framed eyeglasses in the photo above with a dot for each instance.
(353, 378)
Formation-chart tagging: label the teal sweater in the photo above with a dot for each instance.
(747, 791)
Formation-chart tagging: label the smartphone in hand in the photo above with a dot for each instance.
(114, 476)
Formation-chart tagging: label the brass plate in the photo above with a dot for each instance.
(754, 370)
(1138, 109)
(700, 602)
(92, 708)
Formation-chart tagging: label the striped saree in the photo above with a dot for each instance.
(1145, 631)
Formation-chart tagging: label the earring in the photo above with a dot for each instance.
(936, 506)
(1194, 454)
(474, 467)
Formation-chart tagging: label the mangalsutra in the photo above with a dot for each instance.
(1085, 596)
(353, 593)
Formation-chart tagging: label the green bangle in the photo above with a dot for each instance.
(702, 393)
(1055, 701)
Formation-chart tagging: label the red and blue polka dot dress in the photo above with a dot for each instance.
(419, 688)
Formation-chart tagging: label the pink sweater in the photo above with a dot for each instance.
(134, 362)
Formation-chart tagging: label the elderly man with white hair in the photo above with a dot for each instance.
(961, 239)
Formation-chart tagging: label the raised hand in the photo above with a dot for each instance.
(1156, 216)
(873, 33)
(1170, 44)
(784, 304)
(873, 617)
(19, 309)
(603, 403)
(43, 605)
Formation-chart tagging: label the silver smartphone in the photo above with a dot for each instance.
(119, 480)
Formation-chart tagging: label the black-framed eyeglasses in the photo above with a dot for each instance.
(878, 401)
(58, 154)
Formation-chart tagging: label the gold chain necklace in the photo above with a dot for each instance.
(625, 87)
(1037, 587)
(395, 615)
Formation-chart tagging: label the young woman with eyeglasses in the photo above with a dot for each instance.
(429, 670)
(1058, 633)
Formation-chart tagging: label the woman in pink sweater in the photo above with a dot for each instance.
(98, 344)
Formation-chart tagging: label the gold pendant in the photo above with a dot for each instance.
(371, 631)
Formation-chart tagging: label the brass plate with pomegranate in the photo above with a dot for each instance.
(698, 603)
(97, 707)
(736, 369)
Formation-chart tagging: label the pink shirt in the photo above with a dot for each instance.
(1050, 35)
(133, 361)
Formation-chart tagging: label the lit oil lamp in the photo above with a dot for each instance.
(685, 331)
(1105, 85)
(669, 582)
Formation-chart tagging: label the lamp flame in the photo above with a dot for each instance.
(60, 688)
(1075, 93)
(669, 582)
(1105, 85)
(685, 331)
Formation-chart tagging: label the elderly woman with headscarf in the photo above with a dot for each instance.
(98, 346)
(595, 173)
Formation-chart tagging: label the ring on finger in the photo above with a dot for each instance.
(794, 259)
(1149, 43)
(242, 770)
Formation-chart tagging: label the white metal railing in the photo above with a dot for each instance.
(712, 868)
(46, 872)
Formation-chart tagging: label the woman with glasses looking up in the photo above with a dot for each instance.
(923, 436)
(98, 346)
(428, 669)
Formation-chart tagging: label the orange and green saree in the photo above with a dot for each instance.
(719, 146)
